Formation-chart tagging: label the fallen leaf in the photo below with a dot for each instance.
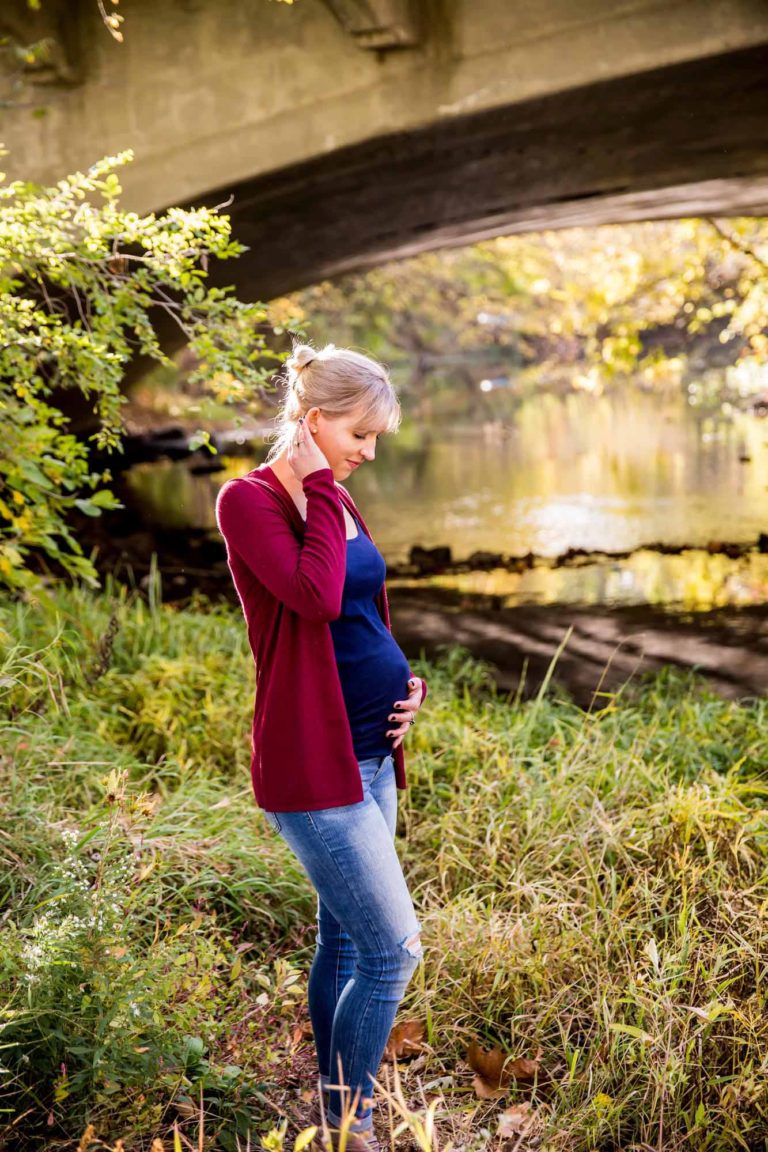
(305, 1138)
(523, 1069)
(495, 1070)
(484, 1090)
(489, 1065)
(514, 1120)
(185, 1106)
(405, 1040)
(301, 1032)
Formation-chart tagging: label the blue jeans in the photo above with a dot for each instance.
(367, 934)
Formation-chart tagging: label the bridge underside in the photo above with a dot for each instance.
(680, 141)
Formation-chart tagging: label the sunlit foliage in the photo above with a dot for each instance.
(83, 285)
(619, 296)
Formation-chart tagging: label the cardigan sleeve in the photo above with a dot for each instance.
(306, 576)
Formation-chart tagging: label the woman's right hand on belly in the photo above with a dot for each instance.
(406, 712)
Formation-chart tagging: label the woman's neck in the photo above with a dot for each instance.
(286, 475)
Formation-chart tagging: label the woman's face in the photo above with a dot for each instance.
(343, 440)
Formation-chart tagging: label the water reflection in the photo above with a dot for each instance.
(694, 581)
(609, 473)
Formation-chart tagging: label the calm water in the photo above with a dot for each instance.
(581, 471)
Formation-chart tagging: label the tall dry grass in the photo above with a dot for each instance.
(592, 888)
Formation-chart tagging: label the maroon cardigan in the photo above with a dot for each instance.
(289, 576)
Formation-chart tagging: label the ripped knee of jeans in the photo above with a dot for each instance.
(412, 945)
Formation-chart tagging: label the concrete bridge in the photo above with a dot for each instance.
(349, 132)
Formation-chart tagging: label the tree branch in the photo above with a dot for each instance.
(737, 243)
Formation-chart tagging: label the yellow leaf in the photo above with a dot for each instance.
(304, 1138)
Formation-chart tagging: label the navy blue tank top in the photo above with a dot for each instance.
(373, 670)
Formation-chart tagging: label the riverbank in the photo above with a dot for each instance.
(606, 647)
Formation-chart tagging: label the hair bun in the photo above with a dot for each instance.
(302, 355)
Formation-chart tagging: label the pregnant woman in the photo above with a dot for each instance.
(335, 697)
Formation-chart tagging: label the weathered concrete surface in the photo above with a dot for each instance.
(687, 140)
(501, 115)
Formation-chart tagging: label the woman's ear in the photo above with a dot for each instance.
(312, 415)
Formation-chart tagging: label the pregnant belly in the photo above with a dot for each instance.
(372, 680)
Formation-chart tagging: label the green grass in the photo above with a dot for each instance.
(592, 888)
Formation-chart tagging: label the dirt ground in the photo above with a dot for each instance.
(608, 646)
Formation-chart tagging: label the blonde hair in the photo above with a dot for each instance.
(339, 381)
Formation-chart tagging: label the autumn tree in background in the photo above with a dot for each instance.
(618, 297)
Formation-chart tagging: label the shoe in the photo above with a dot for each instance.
(352, 1141)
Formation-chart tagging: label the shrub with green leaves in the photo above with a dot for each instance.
(102, 994)
(82, 287)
